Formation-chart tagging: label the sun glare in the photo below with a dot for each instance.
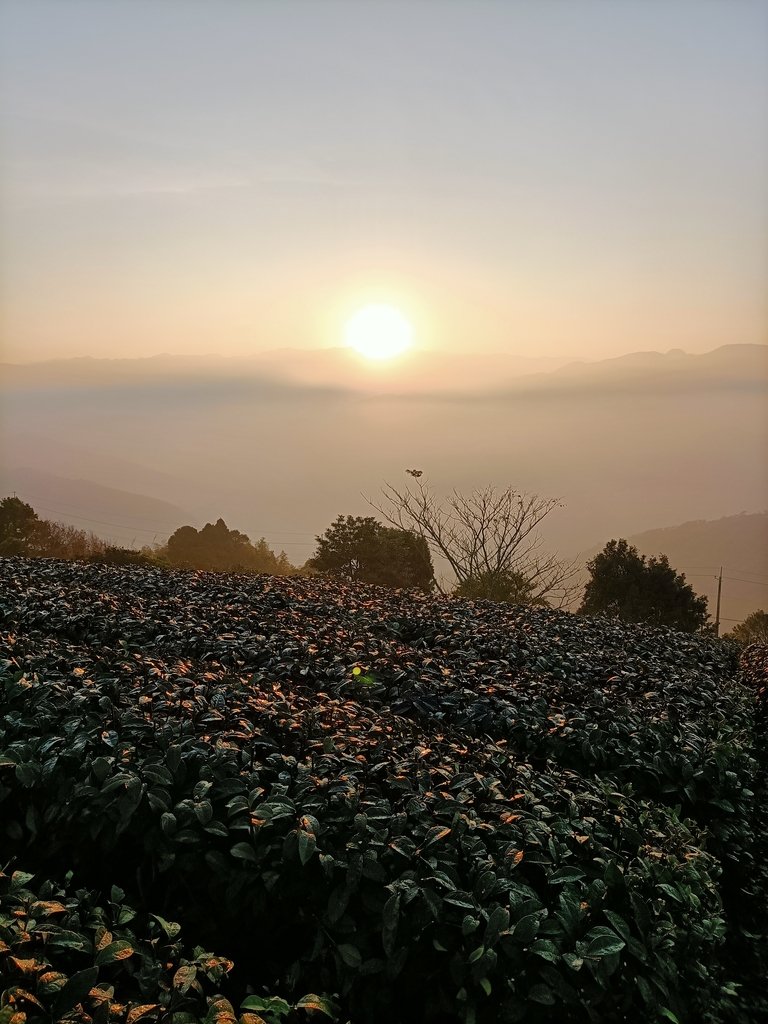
(379, 332)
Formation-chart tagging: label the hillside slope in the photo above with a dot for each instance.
(427, 809)
(120, 516)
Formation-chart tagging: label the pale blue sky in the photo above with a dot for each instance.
(548, 178)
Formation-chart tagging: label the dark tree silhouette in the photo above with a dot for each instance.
(20, 529)
(361, 548)
(753, 630)
(220, 549)
(627, 586)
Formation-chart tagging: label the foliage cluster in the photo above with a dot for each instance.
(361, 548)
(60, 950)
(428, 808)
(215, 547)
(753, 630)
(633, 588)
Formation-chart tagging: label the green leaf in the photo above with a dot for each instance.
(350, 955)
(435, 834)
(267, 1004)
(319, 1004)
(243, 851)
(619, 924)
(168, 823)
(338, 902)
(545, 949)
(461, 900)
(526, 928)
(114, 952)
(602, 942)
(563, 875)
(542, 994)
(390, 917)
(27, 774)
(573, 961)
(64, 939)
(307, 845)
(722, 805)
(663, 1009)
(51, 982)
(171, 928)
(670, 891)
(19, 880)
(469, 925)
(121, 779)
(158, 774)
(498, 922)
(75, 990)
(184, 977)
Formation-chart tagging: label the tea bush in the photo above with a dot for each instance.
(424, 808)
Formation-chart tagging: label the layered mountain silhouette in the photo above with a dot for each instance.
(280, 444)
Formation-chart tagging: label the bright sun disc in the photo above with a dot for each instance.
(379, 332)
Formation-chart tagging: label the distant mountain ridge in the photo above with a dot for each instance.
(279, 457)
(420, 372)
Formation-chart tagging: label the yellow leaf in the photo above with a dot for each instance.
(25, 966)
(48, 907)
(140, 1011)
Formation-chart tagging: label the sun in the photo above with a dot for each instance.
(379, 332)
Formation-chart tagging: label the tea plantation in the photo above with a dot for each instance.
(232, 798)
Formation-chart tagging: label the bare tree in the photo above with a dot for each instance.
(486, 535)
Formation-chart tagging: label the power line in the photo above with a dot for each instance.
(737, 579)
(102, 522)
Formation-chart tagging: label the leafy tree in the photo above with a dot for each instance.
(361, 548)
(487, 536)
(627, 586)
(20, 528)
(753, 630)
(218, 548)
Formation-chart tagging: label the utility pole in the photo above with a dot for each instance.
(717, 611)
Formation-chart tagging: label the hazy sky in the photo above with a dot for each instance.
(548, 178)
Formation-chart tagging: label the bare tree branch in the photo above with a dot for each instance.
(485, 534)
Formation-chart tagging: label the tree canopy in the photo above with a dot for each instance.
(20, 528)
(362, 548)
(753, 630)
(633, 588)
(218, 548)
